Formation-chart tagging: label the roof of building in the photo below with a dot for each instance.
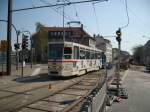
(79, 30)
(101, 39)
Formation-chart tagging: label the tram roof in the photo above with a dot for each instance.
(77, 44)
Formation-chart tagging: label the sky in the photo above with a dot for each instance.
(102, 18)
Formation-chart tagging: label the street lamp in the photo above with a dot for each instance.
(63, 16)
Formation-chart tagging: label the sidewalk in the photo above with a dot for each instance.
(29, 74)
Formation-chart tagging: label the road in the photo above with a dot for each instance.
(16, 92)
(138, 86)
(32, 90)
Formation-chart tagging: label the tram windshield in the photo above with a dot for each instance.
(56, 51)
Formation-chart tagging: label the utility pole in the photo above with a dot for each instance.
(118, 38)
(64, 23)
(9, 37)
(16, 45)
(17, 53)
(31, 58)
(63, 19)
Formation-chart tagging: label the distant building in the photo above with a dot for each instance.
(49, 34)
(3, 45)
(147, 53)
(106, 46)
(114, 54)
(3, 50)
(124, 55)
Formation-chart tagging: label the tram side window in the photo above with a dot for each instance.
(67, 52)
(82, 54)
(92, 55)
(76, 52)
(87, 54)
(99, 55)
(96, 55)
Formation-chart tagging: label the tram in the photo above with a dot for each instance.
(69, 58)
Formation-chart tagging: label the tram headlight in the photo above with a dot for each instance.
(55, 67)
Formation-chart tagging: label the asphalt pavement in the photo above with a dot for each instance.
(138, 86)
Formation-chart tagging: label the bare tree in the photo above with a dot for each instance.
(38, 26)
(138, 54)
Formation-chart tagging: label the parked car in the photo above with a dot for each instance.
(148, 67)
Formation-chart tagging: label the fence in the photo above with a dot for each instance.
(96, 101)
(3, 62)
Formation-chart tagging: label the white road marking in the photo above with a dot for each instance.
(36, 71)
(124, 76)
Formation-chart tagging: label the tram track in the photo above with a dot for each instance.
(12, 99)
(24, 88)
(64, 98)
(27, 87)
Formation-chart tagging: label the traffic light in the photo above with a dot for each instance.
(24, 41)
(17, 46)
(118, 33)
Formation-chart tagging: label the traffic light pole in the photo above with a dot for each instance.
(118, 38)
(118, 67)
(22, 62)
(17, 54)
(9, 37)
(31, 58)
(31, 54)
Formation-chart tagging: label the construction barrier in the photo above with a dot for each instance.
(96, 101)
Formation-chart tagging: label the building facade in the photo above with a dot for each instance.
(49, 34)
(106, 46)
(147, 53)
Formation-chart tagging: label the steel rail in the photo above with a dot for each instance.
(73, 104)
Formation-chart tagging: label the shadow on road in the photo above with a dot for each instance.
(44, 77)
(146, 71)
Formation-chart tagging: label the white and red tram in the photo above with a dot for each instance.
(68, 58)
